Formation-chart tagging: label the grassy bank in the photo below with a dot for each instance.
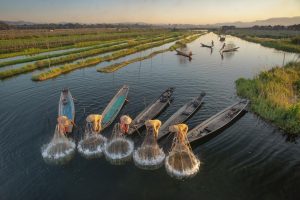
(93, 61)
(281, 40)
(117, 66)
(274, 95)
(72, 57)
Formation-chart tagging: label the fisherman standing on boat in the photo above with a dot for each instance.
(125, 121)
(223, 46)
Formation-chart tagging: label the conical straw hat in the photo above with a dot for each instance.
(93, 117)
(126, 119)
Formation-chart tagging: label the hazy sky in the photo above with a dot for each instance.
(150, 11)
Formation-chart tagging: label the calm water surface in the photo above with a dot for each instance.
(249, 160)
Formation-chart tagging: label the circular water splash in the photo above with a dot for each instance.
(92, 146)
(118, 151)
(59, 151)
(143, 161)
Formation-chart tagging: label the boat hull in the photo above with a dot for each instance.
(114, 107)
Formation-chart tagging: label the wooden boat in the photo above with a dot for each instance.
(181, 115)
(66, 108)
(184, 54)
(151, 111)
(210, 127)
(208, 46)
(231, 49)
(113, 108)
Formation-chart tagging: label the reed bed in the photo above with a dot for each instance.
(46, 40)
(285, 40)
(274, 95)
(117, 66)
(93, 61)
(42, 57)
(72, 57)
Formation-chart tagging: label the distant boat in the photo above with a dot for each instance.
(151, 111)
(222, 38)
(231, 49)
(182, 114)
(113, 108)
(210, 127)
(208, 46)
(66, 108)
(184, 54)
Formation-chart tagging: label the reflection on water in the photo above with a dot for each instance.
(249, 160)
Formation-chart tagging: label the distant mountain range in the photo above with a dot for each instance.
(284, 21)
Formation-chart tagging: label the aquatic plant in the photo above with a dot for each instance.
(92, 61)
(274, 95)
(285, 40)
(117, 66)
(105, 48)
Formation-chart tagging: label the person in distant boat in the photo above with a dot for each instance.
(223, 46)
(212, 43)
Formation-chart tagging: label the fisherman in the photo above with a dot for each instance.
(63, 124)
(95, 121)
(125, 121)
(212, 43)
(223, 46)
(153, 125)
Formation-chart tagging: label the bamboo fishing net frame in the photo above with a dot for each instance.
(118, 149)
(149, 155)
(60, 149)
(181, 161)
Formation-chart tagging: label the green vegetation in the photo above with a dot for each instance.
(42, 57)
(274, 95)
(285, 40)
(92, 61)
(178, 44)
(109, 47)
(12, 41)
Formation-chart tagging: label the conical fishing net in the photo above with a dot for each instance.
(118, 148)
(60, 150)
(181, 161)
(149, 155)
(92, 144)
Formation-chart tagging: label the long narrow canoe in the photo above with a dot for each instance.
(114, 107)
(66, 107)
(210, 127)
(208, 46)
(231, 49)
(152, 110)
(183, 114)
(183, 54)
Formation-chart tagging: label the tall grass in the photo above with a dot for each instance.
(92, 61)
(274, 95)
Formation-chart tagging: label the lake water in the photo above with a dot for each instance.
(249, 160)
